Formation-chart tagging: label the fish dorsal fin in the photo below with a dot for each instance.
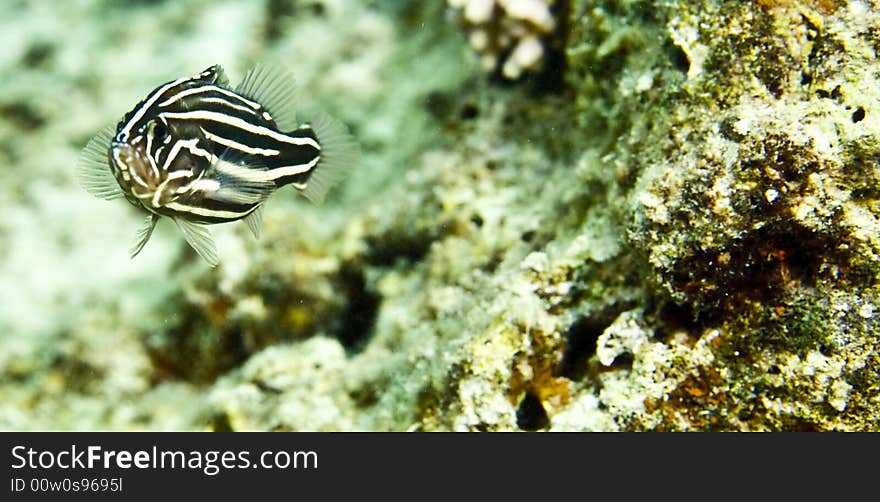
(339, 152)
(93, 167)
(199, 238)
(239, 183)
(217, 76)
(275, 90)
(143, 234)
(255, 221)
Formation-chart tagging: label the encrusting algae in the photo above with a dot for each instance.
(679, 232)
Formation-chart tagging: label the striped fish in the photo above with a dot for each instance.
(199, 152)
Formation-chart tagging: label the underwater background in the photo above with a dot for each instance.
(566, 215)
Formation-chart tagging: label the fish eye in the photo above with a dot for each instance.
(159, 130)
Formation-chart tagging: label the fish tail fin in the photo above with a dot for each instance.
(339, 151)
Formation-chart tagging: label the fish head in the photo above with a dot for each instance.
(156, 154)
(132, 169)
(156, 162)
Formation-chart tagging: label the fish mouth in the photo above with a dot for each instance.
(125, 156)
(120, 148)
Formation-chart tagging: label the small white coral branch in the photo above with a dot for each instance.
(510, 35)
(536, 12)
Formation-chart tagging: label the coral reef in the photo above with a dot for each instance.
(750, 206)
(684, 236)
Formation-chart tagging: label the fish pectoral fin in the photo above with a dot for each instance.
(275, 90)
(255, 221)
(240, 184)
(199, 238)
(93, 169)
(143, 234)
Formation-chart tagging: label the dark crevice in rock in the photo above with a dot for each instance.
(184, 352)
(622, 362)
(439, 104)
(385, 250)
(580, 343)
(551, 78)
(531, 415)
(24, 116)
(279, 14)
(38, 54)
(678, 57)
(357, 320)
(858, 115)
(757, 268)
(220, 423)
(674, 317)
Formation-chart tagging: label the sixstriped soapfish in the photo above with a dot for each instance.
(199, 152)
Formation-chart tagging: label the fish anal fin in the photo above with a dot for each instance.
(255, 221)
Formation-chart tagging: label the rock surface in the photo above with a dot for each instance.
(674, 226)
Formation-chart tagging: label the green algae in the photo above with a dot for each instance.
(682, 236)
